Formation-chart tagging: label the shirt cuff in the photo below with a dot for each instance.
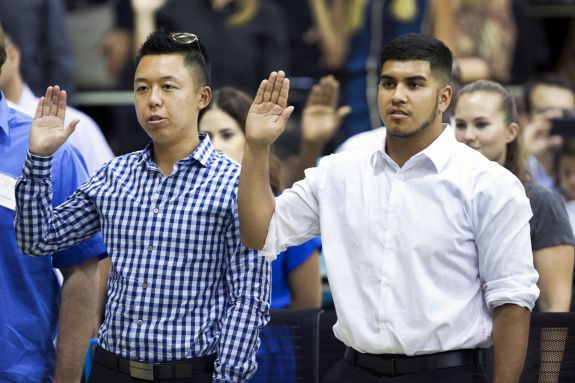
(37, 166)
(270, 249)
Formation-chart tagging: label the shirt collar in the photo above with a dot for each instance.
(437, 152)
(440, 149)
(4, 112)
(203, 154)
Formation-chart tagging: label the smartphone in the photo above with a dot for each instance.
(563, 127)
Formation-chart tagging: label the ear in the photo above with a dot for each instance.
(445, 94)
(13, 54)
(205, 97)
(512, 132)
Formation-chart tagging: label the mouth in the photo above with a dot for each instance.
(155, 120)
(396, 113)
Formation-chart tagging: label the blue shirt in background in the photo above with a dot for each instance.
(29, 288)
(283, 265)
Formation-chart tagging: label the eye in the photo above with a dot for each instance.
(414, 85)
(169, 86)
(387, 84)
(227, 135)
(141, 88)
(460, 125)
(481, 124)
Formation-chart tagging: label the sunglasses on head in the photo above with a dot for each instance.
(186, 38)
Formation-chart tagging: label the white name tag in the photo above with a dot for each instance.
(7, 191)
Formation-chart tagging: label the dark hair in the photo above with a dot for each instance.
(233, 102)
(417, 46)
(195, 56)
(236, 104)
(515, 158)
(549, 79)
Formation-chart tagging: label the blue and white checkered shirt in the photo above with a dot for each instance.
(181, 284)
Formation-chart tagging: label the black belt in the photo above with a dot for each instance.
(391, 364)
(180, 369)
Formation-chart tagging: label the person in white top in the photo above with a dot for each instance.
(426, 242)
(87, 138)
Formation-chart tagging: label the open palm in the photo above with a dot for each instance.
(47, 132)
(269, 112)
(321, 118)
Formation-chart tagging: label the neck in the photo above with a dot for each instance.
(14, 89)
(401, 149)
(167, 155)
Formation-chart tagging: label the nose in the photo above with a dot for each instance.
(469, 135)
(155, 98)
(399, 94)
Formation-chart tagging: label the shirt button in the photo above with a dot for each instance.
(150, 248)
(140, 322)
(145, 285)
(156, 211)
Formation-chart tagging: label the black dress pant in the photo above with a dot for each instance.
(345, 372)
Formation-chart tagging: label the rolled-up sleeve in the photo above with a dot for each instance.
(296, 217)
(501, 214)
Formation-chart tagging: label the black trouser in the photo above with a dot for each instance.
(109, 368)
(351, 370)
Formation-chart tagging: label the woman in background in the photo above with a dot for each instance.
(486, 120)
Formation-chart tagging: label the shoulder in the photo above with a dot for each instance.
(543, 199)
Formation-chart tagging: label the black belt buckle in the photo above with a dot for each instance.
(141, 370)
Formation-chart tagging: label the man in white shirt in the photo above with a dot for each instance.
(87, 138)
(426, 243)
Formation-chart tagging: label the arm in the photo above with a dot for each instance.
(555, 267)
(334, 37)
(510, 337)
(77, 311)
(103, 274)
(266, 120)
(40, 230)
(305, 284)
(144, 19)
(248, 297)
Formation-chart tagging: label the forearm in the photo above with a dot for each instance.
(510, 338)
(33, 205)
(309, 153)
(144, 24)
(332, 37)
(77, 311)
(249, 286)
(39, 230)
(555, 267)
(255, 198)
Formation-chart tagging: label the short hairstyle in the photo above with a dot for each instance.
(549, 79)
(515, 158)
(417, 46)
(161, 42)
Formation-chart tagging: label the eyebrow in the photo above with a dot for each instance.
(164, 78)
(409, 78)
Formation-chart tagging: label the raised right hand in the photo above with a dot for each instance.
(48, 133)
(269, 112)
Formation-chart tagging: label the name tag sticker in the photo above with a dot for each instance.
(7, 191)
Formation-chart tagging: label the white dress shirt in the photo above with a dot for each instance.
(417, 257)
(87, 138)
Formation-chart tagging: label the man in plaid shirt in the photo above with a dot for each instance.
(186, 300)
